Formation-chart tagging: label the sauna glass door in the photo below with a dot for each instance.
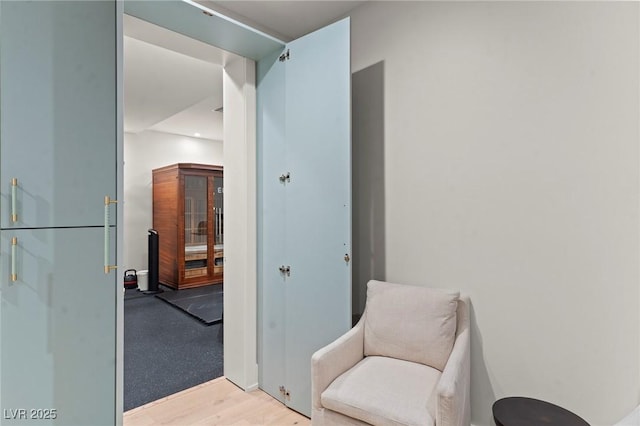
(218, 221)
(196, 232)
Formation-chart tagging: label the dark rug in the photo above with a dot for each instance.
(165, 351)
(202, 303)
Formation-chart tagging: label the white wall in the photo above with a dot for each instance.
(144, 152)
(511, 172)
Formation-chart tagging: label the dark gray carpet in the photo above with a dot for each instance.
(203, 303)
(165, 351)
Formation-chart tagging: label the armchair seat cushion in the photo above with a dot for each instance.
(385, 391)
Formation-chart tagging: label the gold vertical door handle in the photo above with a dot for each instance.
(107, 241)
(14, 190)
(14, 244)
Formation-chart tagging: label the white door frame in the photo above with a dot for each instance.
(240, 296)
(240, 266)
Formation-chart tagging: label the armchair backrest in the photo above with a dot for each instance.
(412, 323)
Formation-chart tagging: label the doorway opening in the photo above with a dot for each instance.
(173, 119)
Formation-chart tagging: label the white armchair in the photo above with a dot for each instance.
(406, 362)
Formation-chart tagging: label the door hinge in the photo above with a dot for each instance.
(285, 56)
(285, 393)
(285, 177)
(285, 270)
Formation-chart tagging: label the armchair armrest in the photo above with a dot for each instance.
(334, 359)
(453, 390)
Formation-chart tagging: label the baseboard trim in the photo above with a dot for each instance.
(251, 387)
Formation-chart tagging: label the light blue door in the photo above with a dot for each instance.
(272, 217)
(57, 164)
(305, 193)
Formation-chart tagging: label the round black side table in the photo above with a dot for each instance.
(520, 411)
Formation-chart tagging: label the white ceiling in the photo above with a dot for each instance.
(172, 83)
(169, 91)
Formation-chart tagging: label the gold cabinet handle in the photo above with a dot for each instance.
(107, 241)
(14, 190)
(14, 244)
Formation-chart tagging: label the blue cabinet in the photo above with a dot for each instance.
(57, 326)
(57, 112)
(57, 164)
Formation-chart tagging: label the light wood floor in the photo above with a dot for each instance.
(218, 402)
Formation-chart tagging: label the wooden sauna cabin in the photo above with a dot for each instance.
(188, 215)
